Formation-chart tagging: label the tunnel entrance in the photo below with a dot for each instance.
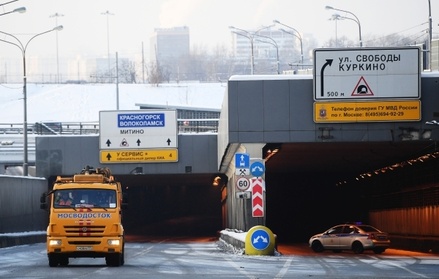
(171, 205)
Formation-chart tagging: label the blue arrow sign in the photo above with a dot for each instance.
(260, 239)
(242, 160)
(257, 169)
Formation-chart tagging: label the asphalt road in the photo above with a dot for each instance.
(204, 257)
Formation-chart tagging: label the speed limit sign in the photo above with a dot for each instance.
(242, 184)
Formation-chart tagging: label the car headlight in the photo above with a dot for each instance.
(55, 242)
(113, 242)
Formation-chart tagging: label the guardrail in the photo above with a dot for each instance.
(52, 128)
(86, 128)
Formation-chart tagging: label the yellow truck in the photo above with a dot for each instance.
(85, 218)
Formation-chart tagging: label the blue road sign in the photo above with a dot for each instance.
(260, 239)
(257, 169)
(242, 160)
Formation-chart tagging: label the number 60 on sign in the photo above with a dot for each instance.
(242, 184)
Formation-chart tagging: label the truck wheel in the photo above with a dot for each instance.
(64, 261)
(53, 260)
(114, 259)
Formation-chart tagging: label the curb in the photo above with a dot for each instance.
(13, 240)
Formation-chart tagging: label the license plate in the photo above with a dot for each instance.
(83, 248)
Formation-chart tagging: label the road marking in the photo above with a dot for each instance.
(284, 269)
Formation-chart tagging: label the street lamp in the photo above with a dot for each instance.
(335, 17)
(353, 19)
(430, 36)
(251, 37)
(17, 10)
(56, 15)
(273, 43)
(23, 49)
(248, 36)
(296, 34)
(107, 13)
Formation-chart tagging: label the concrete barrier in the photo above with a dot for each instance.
(13, 239)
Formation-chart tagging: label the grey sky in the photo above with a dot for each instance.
(133, 21)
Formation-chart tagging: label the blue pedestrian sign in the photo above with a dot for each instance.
(257, 169)
(242, 160)
(260, 239)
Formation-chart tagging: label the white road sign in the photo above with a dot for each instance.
(138, 129)
(367, 73)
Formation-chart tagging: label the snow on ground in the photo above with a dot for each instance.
(82, 102)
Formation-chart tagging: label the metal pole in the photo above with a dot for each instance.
(430, 36)
(117, 82)
(297, 36)
(23, 53)
(356, 20)
(56, 15)
(107, 13)
(25, 144)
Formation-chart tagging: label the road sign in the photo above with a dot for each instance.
(242, 160)
(242, 184)
(257, 168)
(258, 188)
(137, 129)
(367, 73)
(139, 156)
(260, 239)
(336, 112)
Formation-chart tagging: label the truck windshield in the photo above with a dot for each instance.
(91, 198)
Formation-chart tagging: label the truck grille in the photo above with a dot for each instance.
(84, 231)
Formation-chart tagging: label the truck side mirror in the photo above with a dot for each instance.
(43, 201)
(124, 201)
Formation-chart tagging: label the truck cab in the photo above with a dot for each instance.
(85, 218)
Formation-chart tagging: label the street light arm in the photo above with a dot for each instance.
(301, 43)
(12, 43)
(273, 43)
(57, 28)
(351, 13)
(19, 45)
(298, 33)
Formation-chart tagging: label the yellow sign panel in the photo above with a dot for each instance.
(139, 156)
(333, 112)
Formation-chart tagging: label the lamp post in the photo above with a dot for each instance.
(251, 37)
(107, 13)
(248, 36)
(353, 19)
(296, 34)
(335, 17)
(430, 36)
(56, 15)
(273, 43)
(23, 48)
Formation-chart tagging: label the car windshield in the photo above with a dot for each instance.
(90, 198)
(368, 228)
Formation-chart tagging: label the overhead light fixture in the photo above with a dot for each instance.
(216, 181)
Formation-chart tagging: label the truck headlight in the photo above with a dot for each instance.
(113, 242)
(55, 242)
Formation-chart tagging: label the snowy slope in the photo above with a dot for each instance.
(82, 102)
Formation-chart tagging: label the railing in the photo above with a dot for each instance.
(52, 128)
(185, 126)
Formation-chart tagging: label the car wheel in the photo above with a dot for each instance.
(357, 247)
(317, 247)
(379, 250)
